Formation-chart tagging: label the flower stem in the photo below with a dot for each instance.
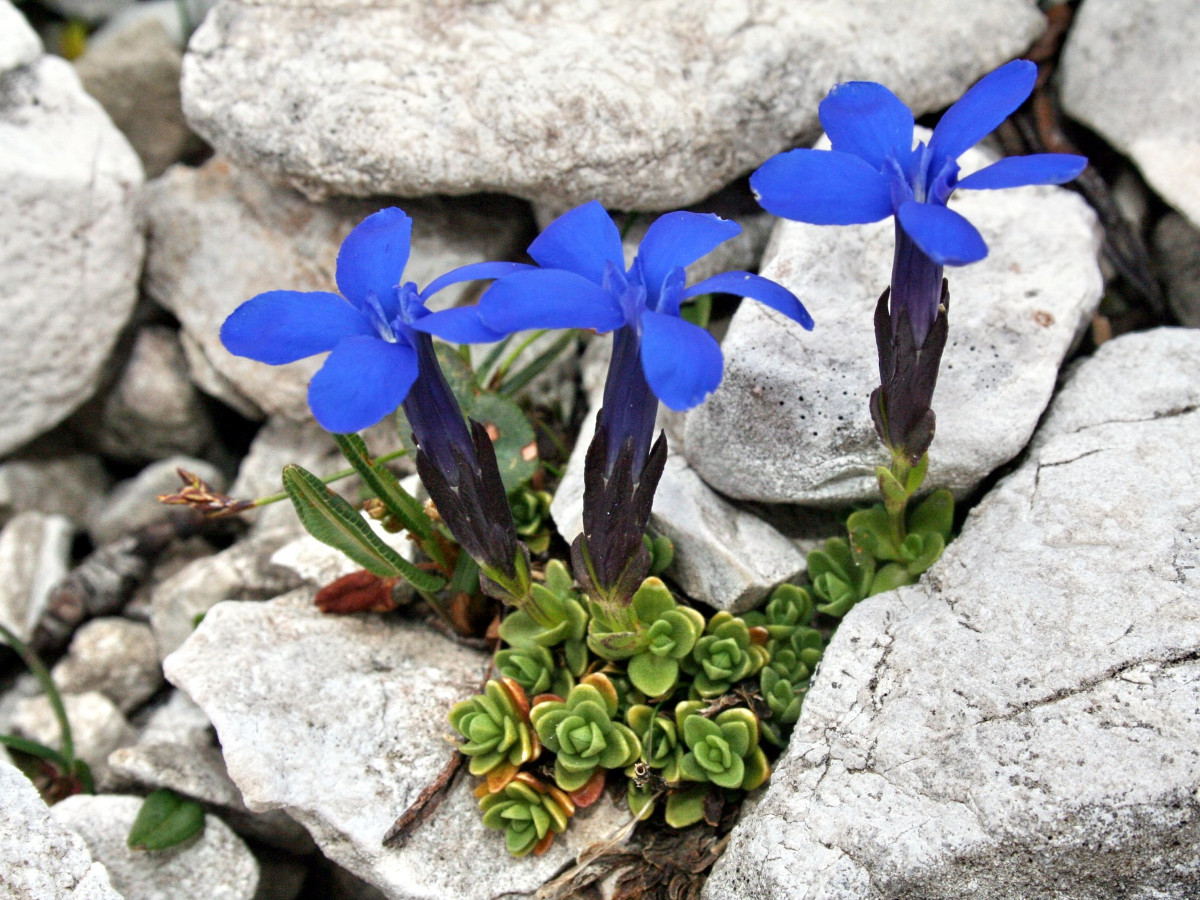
(42, 674)
(327, 479)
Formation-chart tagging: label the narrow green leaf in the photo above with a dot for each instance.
(493, 356)
(537, 365)
(333, 521)
(33, 748)
(386, 487)
(698, 311)
(165, 820)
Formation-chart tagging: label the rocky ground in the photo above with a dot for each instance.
(1021, 724)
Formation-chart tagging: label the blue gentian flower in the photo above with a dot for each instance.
(368, 329)
(582, 282)
(874, 171)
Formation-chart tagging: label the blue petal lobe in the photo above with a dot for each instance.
(764, 290)
(942, 234)
(678, 239)
(283, 326)
(474, 272)
(462, 325)
(682, 362)
(373, 257)
(548, 298)
(582, 241)
(868, 120)
(822, 187)
(1018, 171)
(981, 109)
(363, 380)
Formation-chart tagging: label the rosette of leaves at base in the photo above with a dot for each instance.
(528, 811)
(556, 618)
(582, 734)
(906, 556)
(498, 732)
(788, 608)
(534, 669)
(723, 750)
(531, 513)
(838, 578)
(727, 653)
(663, 635)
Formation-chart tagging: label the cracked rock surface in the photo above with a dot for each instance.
(1022, 723)
(645, 105)
(346, 760)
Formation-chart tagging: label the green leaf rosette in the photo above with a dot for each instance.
(788, 608)
(838, 578)
(496, 726)
(659, 736)
(529, 812)
(724, 655)
(556, 617)
(723, 750)
(581, 732)
(535, 670)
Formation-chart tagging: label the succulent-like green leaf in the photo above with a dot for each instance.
(165, 820)
(870, 534)
(581, 731)
(333, 521)
(529, 812)
(890, 577)
(384, 485)
(933, 515)
(686, 806)
(662, 553)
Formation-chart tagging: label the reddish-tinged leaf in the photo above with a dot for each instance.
(357, 592)
(519, 697)
(759, 635)
(590, 792)
(499, 777)
(544, 844)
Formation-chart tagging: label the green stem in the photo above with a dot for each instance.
(897, 506)
(42, 674)
(510, 360)
(328, 479)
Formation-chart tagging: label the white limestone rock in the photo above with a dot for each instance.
(790, 423)
(646, 105)
(19, 44)
(35, 552)
(70, 243)
(178, 720)
(97, 728)
(1132, 73)
(65, 485)
(153, 410)
(342, 725)
(283, 242)
(1022, 722)
(39, 857)
(134, 74)
(217, 865)
(114, 656)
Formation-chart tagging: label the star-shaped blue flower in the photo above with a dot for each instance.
(369, 329)
(583, 283)
(874, 171)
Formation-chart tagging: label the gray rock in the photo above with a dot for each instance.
(134, 73)
(1132, 73)
(1178, 246)
(66, 485)
(178, 18)
(649, 106)
(215, 865)
(178, 721)
(114, 656)
(19, 44)
(134, 502)
(35, 552)
(790, 422)
(40, 858)
(343, 725)
(154, 410)
(317, 564)
(72, 243)
(286, 243)
(199, 773)
(97, 728)
(241, 572)
(1008, 728)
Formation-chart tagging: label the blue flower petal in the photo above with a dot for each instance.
(942, 234)
(283, 326)
(1018, 171)
(373, 257)
(462, 325)
(363, 380)
(678, 239)
(682, 362)
(548, 298)
(981, 109)
(583, 240)
(868, 120)
(822, 187)
(764, 290)
(474, 272)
